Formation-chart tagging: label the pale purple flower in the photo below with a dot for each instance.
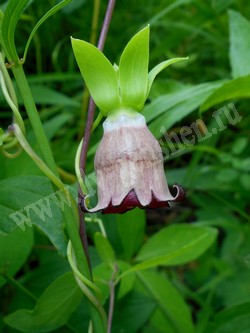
(129, 168)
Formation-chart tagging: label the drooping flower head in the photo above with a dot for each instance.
(128, 161)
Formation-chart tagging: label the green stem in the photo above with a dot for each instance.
(7, 79)
(78, 172)
(73, 265)
(17, 116)
(46, 153)
(94, 24)
(34, 118)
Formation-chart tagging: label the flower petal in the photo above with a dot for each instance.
(131, 201)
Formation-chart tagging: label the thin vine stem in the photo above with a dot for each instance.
(91, 108)
(92, 40)
(111, 304)
(17, 116)
(88, 128)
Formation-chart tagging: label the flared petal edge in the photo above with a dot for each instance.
(131, 201)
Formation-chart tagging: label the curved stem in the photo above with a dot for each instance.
(11, 155)
(17, 115)
(34, 118)
(97, 121)
(80, 176)
(78, 172)
(84, 283)
(73, 264)
(100, 224)
(7, 79)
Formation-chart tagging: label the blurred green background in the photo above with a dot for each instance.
(215, 35)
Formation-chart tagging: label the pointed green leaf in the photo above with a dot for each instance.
(49, 13)
(48, 96)
(127, 282)
(102, 274)
(104, 248)
(239, 44)
(99, 75)
(234, 318)
(234, 89)
(158, 68)
(131, 228)
(132, 312)
(10, 19)
(167, 110)
(170, 302)
(133, 70)
(52, 310)
(175, 245)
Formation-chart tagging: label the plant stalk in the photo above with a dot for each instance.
(46, 153)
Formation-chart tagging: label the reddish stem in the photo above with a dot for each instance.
(88, 128)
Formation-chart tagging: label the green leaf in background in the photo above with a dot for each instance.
(170, 302)
(29, 200)
(234, 89)
(99, 75)
(239, 145)
(238, 280)
(132, 312)
(239, 44)
(51, 267)
(167, 110)
(73, 6)
(175, 245)
(1, 136)
(104, 248)
(1, 21)
(52, 310)
(233, 319)
(49, 13)
(164, 104)
(102, 275)
(48, 96)
(131, 228)
(167, 9)
(160, 323)
(127, 282)
(14, 250)
(53, 125)
(10, 19)
(133, 71)
(158, 68)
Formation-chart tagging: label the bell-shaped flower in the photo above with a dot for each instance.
(129, 161)
(129, 168)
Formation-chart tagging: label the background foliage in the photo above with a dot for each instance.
(202, 246)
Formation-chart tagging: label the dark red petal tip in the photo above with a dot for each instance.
(180, 194)
(131, 201)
